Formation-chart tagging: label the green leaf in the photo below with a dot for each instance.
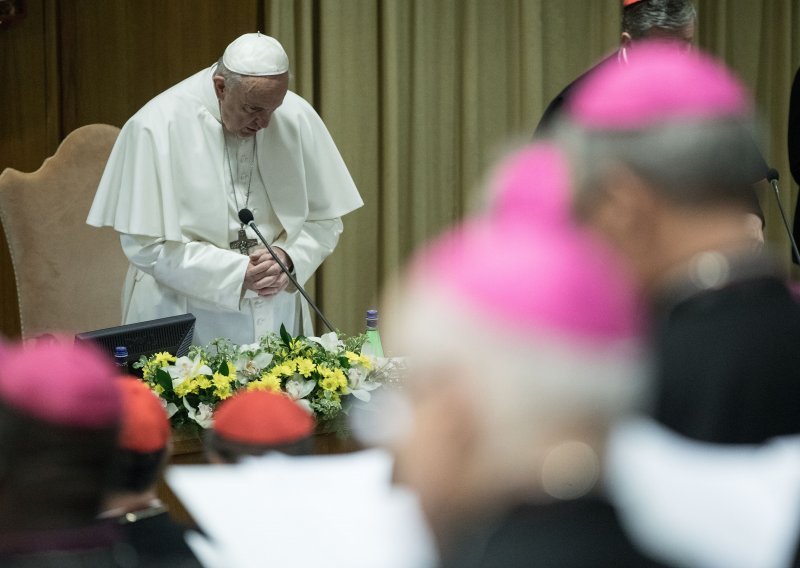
(285, 337)
(163, 379)
(223, 368)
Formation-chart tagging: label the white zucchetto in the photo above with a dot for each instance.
(256, 54)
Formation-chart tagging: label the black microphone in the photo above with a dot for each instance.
(772, 177)
(246, 217)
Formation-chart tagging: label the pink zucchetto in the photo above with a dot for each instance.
(545, 201)
(60, 383)
(527, 266)
(661, 82)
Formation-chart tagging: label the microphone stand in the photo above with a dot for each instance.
(773, 181)
(246, 217)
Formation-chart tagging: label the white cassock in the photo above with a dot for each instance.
(173, 193)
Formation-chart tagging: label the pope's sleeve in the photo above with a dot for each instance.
(195, 269)
(315, 241)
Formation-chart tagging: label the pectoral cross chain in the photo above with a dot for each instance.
(243, 243)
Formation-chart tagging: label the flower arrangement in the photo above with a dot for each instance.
(319, 373)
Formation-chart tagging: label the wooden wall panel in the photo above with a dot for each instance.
(118, 55)
(25, 137)
(28, 118)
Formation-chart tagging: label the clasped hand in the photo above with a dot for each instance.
(264, 276)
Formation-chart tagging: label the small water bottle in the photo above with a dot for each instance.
(121, 359)
(373, 346)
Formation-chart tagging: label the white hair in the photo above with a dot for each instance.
(526, 383)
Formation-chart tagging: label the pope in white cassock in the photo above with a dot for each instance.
(229, 137)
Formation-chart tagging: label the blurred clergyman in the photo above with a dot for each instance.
(256, 422)
(59, 414)
(518, 371)
(661, 149)
(132, 501)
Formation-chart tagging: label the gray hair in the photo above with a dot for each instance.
(639, 18)
(231, 77)
(695, 163)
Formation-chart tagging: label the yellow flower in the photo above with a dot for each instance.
(163, 359)
(231, 371)
(329, 384)
(202, 382)
(221, 381)
(284, 370)
(325, 372)
(158, 389)
(185, 387)
(340, 379)
(305, 366)
(223, 392)
(268, 381)
(356, 359)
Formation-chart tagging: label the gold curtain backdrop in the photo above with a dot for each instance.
(421, 96)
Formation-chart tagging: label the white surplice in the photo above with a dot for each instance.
(167, 188)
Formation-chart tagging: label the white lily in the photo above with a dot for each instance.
(249, 347)
(358, 385)
(203, 415)
(329, 341)
(299, 388)
(252, 366)
(185, 368)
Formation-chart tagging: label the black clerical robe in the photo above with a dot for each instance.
(98, 544)
(728, 360)
(582, 533)
(555, 107)
(159, 541)
(794, 146)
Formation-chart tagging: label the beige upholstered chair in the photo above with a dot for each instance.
(68, 275)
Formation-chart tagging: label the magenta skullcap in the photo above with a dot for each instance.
(661, 82)
(528, 267)
(518, 197)
(60, 383)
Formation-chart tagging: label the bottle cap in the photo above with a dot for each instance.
(120, 352)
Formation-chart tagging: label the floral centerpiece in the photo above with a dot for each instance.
(322, 374)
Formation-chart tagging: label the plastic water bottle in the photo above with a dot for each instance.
(121, 359)
(373, 346)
